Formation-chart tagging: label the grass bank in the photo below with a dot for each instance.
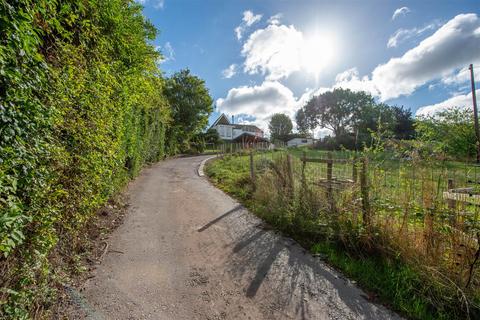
(389, 277)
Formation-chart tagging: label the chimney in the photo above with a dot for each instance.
(233, 119)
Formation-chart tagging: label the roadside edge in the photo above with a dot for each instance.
(200, 171)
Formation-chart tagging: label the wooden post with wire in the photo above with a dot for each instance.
(252, 168)
(475, 111)
(450, 186)
(354, 169)
(365, 193)
(452, 204)
(304, 163)
(330, 178)
(291, 180)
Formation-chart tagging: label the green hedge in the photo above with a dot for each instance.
(82, 109)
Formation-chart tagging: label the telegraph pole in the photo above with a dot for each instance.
(475, 112)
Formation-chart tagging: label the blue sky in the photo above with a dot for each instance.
(262, 57)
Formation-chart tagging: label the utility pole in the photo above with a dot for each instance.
(475, 112)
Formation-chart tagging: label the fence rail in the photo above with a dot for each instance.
(428, 207)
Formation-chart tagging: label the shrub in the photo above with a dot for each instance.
(82, 109)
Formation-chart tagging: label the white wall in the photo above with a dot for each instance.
(227, 132)
(300, 142)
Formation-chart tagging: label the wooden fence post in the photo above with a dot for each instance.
(291, 180)
(450, 186)
(364, 191)
(252, 168)
(452, 204)
(354, 170)
(304, 163)
(330, 179)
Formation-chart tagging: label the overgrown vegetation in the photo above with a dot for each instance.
(82, 109)
(450, 132)
(414, 250)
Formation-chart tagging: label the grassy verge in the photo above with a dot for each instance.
(386, 277)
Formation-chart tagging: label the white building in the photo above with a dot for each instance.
(237, 132)
(295, 142)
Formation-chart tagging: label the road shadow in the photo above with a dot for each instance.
(211, 223)
(298, 285)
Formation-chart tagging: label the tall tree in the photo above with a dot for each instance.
(280, 126)
(302, 121)
(353, 116)
(404, 123)
(190, 104)
(337, 110)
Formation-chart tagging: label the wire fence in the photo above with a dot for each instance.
(426, 210)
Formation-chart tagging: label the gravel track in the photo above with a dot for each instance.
(186, 250)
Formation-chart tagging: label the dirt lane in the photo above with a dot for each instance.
(191, 252)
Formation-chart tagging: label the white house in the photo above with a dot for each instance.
(295, 142)
(237, 132)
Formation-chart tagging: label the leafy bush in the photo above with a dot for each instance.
(82, 109)
(450, 132)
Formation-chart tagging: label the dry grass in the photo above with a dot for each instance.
(410, 223)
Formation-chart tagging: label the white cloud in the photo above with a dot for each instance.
(273, 51)
(402, 35)
(259, 101)
(249, 18)
(454, 45)
(400, 12)
(168, 54)
(275, 19)
(451, 48)
(458, 101)
(458, 77)
(278, 50)
(350, 79)
(230, 71)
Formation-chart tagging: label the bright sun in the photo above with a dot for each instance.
(318, 52)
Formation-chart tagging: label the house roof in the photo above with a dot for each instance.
(223, 119)
(247, 127)
(249, 137)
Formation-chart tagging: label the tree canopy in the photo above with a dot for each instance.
(280, 126)
(191, 105)
(352, 117)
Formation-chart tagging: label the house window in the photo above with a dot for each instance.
(221, 131)
(304, 141)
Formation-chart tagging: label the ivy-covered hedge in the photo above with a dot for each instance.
(82, 109)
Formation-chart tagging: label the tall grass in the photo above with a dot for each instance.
(418, 251)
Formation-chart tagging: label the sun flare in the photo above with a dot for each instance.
(318, 52)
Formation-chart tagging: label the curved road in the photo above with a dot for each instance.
(188, 251)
